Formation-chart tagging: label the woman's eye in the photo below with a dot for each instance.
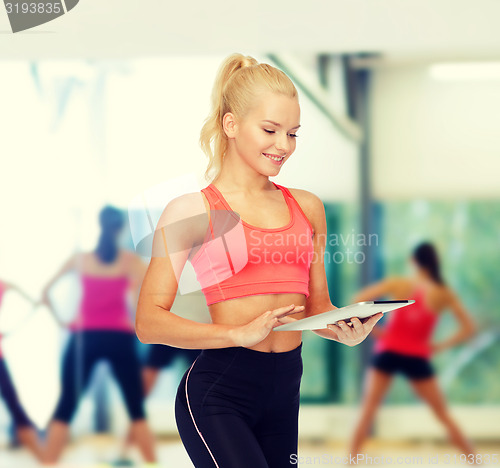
(272, 131)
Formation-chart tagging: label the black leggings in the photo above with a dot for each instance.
(84, 350)
(162, 355)
(236, 407)
(9, 395)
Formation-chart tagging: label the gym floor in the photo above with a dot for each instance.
(100, 451)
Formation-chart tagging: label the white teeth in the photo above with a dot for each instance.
(273, 157)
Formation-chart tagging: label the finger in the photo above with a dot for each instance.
(338, 331)
(357, 325)
(374, 319)
(286, 319)
(282, 310)
(291, 312)
(287, 310)
(346, 329)
(272, 322)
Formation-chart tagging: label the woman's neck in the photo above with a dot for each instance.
(239, 177)
(421, 276)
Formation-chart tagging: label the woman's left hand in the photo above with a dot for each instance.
(357, 332)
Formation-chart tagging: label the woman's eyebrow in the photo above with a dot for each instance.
(279, 125)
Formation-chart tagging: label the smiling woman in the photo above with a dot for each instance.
(238, 403)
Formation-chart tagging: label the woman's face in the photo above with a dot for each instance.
(265, 138)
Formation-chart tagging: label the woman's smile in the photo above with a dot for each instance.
(275, 159)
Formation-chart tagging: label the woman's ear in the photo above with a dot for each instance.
(229, 125)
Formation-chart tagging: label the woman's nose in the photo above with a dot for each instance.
(282, 145)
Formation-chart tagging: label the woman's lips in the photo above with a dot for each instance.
(274, 159)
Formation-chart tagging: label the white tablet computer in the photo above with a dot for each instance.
(360, 309)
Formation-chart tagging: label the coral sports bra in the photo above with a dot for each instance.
(237, 259)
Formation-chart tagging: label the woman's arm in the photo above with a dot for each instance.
(385, 287)
(467, 329)
(319, 298)
(180, 228)
(136, 274)
(7, 286)
(68, 266)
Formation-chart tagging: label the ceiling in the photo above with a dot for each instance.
(403, 31)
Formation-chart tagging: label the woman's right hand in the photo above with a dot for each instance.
(256, 330)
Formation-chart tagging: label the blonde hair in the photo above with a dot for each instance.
(240, 80)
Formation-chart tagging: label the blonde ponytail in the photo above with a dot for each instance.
(238, 82)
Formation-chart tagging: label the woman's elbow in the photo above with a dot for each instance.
(141, 330)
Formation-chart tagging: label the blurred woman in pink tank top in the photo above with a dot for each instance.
(404, 345)
(102, 330)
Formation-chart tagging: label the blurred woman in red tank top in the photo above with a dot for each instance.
(404, 345)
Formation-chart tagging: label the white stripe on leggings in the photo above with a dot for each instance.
(192, 417)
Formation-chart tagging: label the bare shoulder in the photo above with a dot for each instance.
(305, 197)
(311, 204)
(78, 258)
(184, 207)
(130, 258)
(401, 286)
(182, 224)
(133, 264)
(398, 281)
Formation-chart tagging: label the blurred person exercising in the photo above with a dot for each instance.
(404, 344)
(238, 404)
(25, 430)
(158, 358)
(102, 330)
(161, 357)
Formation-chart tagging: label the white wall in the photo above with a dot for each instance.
(155, 112)
(127, 28)
(434, 138)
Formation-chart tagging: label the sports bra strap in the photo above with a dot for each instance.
(296, 203)
(213, 200)
(212, 197)
(284, 189)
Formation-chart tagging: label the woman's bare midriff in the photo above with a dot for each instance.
(242, 310)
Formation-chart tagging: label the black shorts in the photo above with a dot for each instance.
(160, 356)
(412, 367)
